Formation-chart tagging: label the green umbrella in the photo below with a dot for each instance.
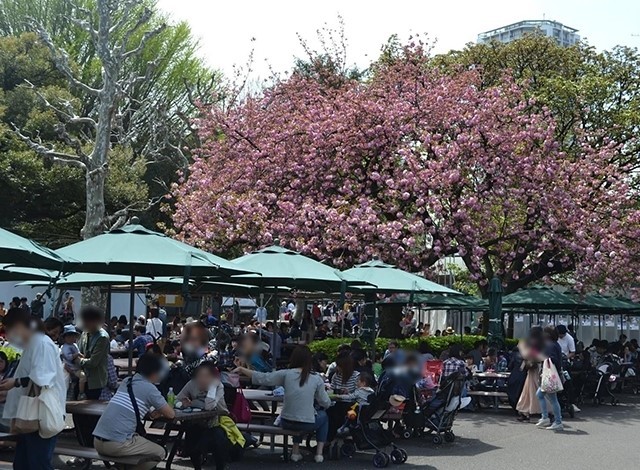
(495, 310)
(281, 267)
(386, 278)
(134, 251)
(20, 251)
(539, 298)
(9, 272)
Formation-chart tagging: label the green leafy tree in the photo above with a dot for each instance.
(117, 98)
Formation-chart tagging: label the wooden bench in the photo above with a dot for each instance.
(488, 394)
(74, 450)
(263, 429)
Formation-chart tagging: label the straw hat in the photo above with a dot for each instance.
(396, 400)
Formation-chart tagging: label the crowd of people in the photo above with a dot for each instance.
(196, 359)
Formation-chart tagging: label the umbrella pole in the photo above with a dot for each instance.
(621, 324)
(108, 301)
(461, 326)
(599, 327)
(132, 306)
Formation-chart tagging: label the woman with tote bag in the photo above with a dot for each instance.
(550, 383)
(39, 385)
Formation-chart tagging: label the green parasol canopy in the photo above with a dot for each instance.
(495, 310)
(388, 279)
(21, 251)
(452, 302)
(281, 267)
(9, 272)
(539, 298)
(77, 280)
(134, 250)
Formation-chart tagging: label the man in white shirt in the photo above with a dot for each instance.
(566, 342)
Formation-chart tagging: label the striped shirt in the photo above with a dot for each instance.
(350, 385)
(118, 423)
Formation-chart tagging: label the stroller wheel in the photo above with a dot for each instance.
(437, 439)
(614, 401)
(380, 460)
(449, 436)
(348, 450)
(398, 456)
(407, 433)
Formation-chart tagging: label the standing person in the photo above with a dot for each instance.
(154, 325)
(3, 311)
(40, 364)
(94, 349)
(53, 328)
(68, 312)
(530, 350)
(24, 304)
(302, 390)
(552, 351)
(37, 306)
(71, 359)
(566, 342)
(116, 433)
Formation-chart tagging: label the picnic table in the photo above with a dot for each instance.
(256, 396)
(118, 353)
(492, 375)
(96, 408)
(122, 366)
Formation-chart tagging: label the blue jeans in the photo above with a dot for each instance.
(555, 405)
(34, 452)
(321, 427)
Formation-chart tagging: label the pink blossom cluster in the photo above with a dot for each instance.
(412, 165)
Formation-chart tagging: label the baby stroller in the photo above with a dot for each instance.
(436, 416)
(601, 382)
(367, 432)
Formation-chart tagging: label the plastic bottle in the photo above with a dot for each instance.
(481, 366)
(171, 398)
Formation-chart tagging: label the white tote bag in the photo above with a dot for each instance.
(550, 381)
(27, 413)
(51, 413)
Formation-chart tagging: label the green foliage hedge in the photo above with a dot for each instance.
(437, 344)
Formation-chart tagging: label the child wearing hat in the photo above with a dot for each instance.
(71, 358)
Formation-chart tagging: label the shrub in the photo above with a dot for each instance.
(437, 344)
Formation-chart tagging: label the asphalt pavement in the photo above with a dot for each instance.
(598, 438)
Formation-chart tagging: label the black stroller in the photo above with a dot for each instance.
(367, 432)
(436, 416)
(602, 380)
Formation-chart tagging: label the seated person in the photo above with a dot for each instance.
(140, 340)
(364, 388)
(117, 432)
(205, 391)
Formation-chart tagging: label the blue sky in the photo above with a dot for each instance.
(226, 28)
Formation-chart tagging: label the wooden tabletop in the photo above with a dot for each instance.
(492, 375)
(261, 395)
(97, 408)
(123, 363)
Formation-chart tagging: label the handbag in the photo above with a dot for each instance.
(51, 413)
(550, 381)
(27, 418)
(241, 411)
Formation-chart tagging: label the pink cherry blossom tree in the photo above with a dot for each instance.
(412, 165)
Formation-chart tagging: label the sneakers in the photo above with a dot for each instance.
(543, 422)
(296, 457)
(319, 458)
(555, 427)
(576, 409)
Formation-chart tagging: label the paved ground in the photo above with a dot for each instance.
(599, 437)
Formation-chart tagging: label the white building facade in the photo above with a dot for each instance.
(563, 35)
